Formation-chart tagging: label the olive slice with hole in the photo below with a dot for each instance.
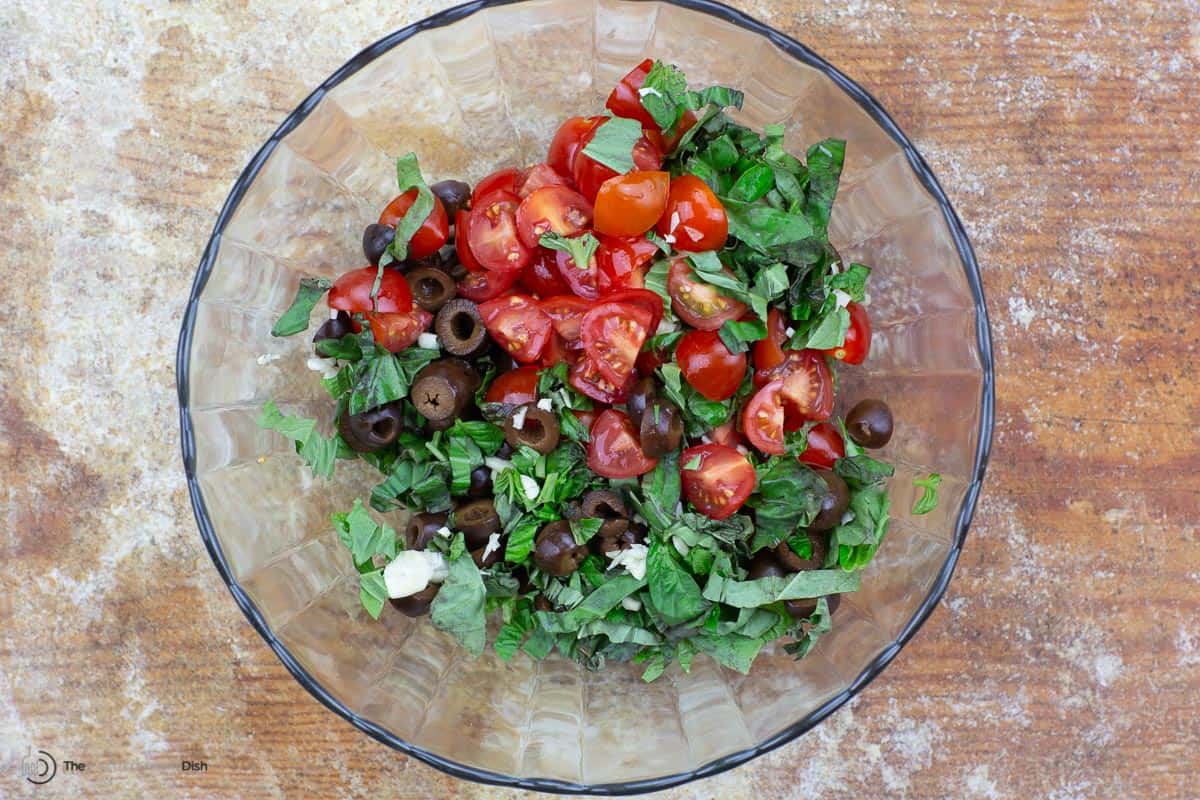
(443, 390)
(643, 393)
(492, 557)
(416, 605)
(372, 430)
(870, 423)
(603, 503)
(375, 241)
(460, 328)
(792, 562)
(539, 429)
(617, 535)
(455, 196)
(334, 328)
(478, 520)
(422, 528)
(555, 551)
(833, 504)
(661, 429)
(431, 288)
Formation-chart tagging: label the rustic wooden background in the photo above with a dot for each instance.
(1065, 660)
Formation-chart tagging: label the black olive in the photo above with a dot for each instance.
(764, 565)
(799, 609)
(870, 423)
(376, 239)
(460, 328)
(416, 605)
(833, 504)
(455, 196)
(617, 534)
(542, 603)
(372, 430)
(661, 429)
(478, 520)
(794, 563)
(603, 503)
(481, 483)
(555, 551)
(539, 429)
(431, 288)
(505, 450)
(443, 390)
(492, 557)
(643, 393)
(422, 528)
(334, 328)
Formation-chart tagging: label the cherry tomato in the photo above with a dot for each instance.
(568, 141)
(858, 337)
(768, 352)
(552, 208)
(540, 176)
(432, 234)
(630, 204)
(492, 233)
(505, 180)
(541, 277)
(614, 451)
(589, 174)
(728, 435)
(461, 246)
(515, 387)
(396, 332)
(582, 280)
(694, 216)
(721, 481)
(708, 366)
(640, 297)
(807, 386)
(624, 101)
(668, 144)
(651, 359)
(518, 325)
(613, 335)
(620, 260)
(588, 418)
(487, 285)
(825, 446)
(700, 304)
(566, 313)
(352, 292)
(559, 349)
(587, 378)
(762, 419)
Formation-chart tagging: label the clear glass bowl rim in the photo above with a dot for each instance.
(966, 511)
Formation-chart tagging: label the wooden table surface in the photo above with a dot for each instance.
(1065, 660)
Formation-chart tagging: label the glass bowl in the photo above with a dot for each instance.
(469, 89)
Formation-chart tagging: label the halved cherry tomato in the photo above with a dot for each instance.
(694, 216)
(667, 144)
(762, 419)
(728, 435)
(487, 285)
(559, 349)
(589, 174)
(858, 337)
(825, 446)
(515, 387)
(588, 418)
(518, 325)
(432, 234)
(566, 313)
(352, 292)
(492, 232)
(625, 101)
(587, 378)
(620, 260)
(768, 352)
(651, 359)
(541, 277)
(700, 304)
(640, 297)
(540, 176)
(582, 280)
(721, 481)
(461, 246)
(505, 180)
(568, 141)
(613, 335)
(708, 366)
(614, 451)
(630, 204)
(807, 386)
(396, 332)
(552, 208)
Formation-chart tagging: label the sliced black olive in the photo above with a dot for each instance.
(617, 534)
(643, 393)
(422, 528)
(833, 504)
(542, 603)
(505, 451)
(372, 430)
(443, 390)
(478, 520)
(455, 196)
(764, 565)
(481, 483)
(334, 328)
(798, 609)
(661, 429)
(376, 239)
(416, 605)
(460, 328)
(870, 423)
(794, 563)
(603, 503)
(431, 288)
(555, 551)
(492, 557)
(538, 430)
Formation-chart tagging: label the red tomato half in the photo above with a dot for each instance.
(668, 144)
(568, 141)
(352, 292)
(630, 204)
(492, 233)
(768, 352)
(396, 332)
(700, 304)
(858, 337)
(487, 285)
(825, 446)
(590, 174)
(515, 387)
(694, 216)
(720, 482)
(587, 378)
(614, 451)
(640, 297)
(625, 100)
(566, 313)
(620, 260)
(613, 335)
(582, 280)
(539, 176)
(518, 325)
(552, 208)
(541, 277)
(728, 435)
(505, 180)
(762, 419)
(432, 234)
(461, 246)
(807, 386)
(559, 349)
(708, 366)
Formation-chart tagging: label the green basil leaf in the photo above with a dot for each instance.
(372, 592)
(825, 160)
(408, 176)
(613, 142)
(764, 591)
(580, 248)
(862, 470)
(458, 608)
(787, 496)
(319, 452)
(520, 541)
(601, 601)
(763, 227)
(675, 593)
(295, 319)
(828, 332)
(929, 498)
(737, 334)
(753, 184)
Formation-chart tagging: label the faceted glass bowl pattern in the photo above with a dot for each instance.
(469, 90)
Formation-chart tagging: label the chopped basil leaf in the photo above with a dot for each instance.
(520, 541)
(458, 608)
(384, 377)
(319, 452)
(825, 161)
(787, 496)
(584, 529)
(295, 319)
(580, 248)
(364, 538)
(613, 142)
(372, 592)
(764, 591)
(737, 335)
(862, 470)
(408, 176)
(675, 593)
(929, 498)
